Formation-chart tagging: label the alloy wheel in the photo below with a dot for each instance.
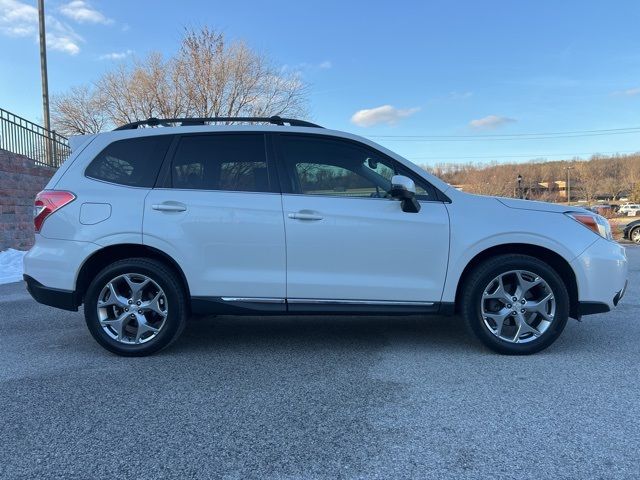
(518, 306)
(132, 308)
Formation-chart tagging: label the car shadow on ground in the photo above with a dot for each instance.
(446, 333)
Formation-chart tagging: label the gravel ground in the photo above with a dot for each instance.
(329, 397)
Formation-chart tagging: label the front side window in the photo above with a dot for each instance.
(319, 166)
(133, 162)
(326, 166)
(221, 162)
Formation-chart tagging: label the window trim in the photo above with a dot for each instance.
(165, 180)
(284, 174)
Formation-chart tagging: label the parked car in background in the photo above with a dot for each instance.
(632, 231)
(629, 209)
(145, 226)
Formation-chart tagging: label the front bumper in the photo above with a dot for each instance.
(601, 274)
(54, 297)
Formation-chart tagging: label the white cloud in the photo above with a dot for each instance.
(325, 65)
(383, 114)
(490, 122)
(630, 92)
(19, 19)
(116, 55)
(82, 12)
(62, 44)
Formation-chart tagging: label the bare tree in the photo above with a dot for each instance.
(207, 77)
(80, 111)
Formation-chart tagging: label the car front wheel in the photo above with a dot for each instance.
(515, 304)
(634, 236)
(135, 307)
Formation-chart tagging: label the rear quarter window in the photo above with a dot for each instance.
(134, 162)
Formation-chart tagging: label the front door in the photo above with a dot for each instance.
(347, 239)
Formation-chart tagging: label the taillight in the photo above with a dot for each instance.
(47, 202)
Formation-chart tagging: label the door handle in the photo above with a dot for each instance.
(305, 216)
(169, 207)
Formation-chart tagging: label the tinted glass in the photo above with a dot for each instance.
(322, 166)
(319, 166)
(221, 162)
(134, 161)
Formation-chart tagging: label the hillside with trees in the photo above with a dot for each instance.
(600, 177)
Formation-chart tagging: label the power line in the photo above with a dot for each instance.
(532, 156)
(512, 136)
(495, 139)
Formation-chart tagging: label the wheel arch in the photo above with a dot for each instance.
(553, 259)
(112, 253)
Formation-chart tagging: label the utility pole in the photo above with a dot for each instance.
(568, 185)
(45, 81)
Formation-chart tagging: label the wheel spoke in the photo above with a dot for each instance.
(114, 299)
(499, 294)
(117, 324)
(524, 328)
(525, 285)
(499, 319)
(143, 327)
(136, 287)
(154, 305)
(540, 306)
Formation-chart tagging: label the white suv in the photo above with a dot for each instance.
(629, 209)
(145, 226)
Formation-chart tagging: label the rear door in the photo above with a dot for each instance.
(217, 211)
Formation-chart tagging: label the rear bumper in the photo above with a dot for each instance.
(54, 297)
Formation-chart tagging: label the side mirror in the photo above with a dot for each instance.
(404, 189)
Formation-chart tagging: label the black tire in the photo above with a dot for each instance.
(482, 276)
(176, 310)
(632, 233)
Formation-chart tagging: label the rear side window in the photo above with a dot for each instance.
(221, 162)
(134, 162)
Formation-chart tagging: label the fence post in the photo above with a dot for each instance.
(55, 149)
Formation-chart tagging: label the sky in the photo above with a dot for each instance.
(435, 81)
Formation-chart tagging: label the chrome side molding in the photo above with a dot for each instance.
(325, 301)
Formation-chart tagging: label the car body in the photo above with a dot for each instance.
(290, 230)
(632, 231)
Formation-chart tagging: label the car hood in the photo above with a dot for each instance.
(534, 205)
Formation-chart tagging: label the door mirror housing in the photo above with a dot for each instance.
(404, 189)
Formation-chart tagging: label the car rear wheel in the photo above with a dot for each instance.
(135, 307)
(515, 304)
(634, 235)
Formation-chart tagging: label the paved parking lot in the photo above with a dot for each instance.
(330, 397)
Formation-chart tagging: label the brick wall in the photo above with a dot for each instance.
(20, 181)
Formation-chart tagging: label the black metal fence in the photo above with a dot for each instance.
(21, 136)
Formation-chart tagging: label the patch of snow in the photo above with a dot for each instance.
(11, 265)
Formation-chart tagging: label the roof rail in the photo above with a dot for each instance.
(275, 120)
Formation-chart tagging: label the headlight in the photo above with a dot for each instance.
(594, 222)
